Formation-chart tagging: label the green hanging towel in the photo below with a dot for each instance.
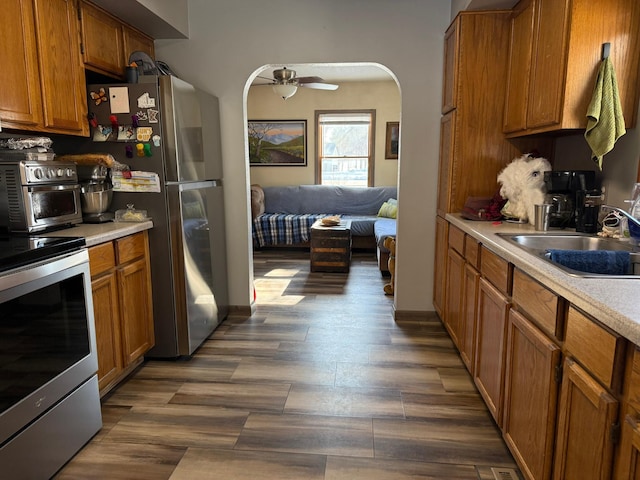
(605, 121)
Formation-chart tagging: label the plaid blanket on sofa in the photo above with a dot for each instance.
(283, 229)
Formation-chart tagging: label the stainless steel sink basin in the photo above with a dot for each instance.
(540, 244)
(568, 242)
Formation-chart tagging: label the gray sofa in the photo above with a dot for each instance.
(282, 216)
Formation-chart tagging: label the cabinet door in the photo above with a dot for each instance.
(20, 101)
(136, 309)
(629, 464)
(62, 75)
(107, 321)
(522, 21)
(450, 68)
(531, 394)
(468, 317)
(584, 443)
(493, 308)
(546, 88)
(455, 279)
(440, 266)
(447, 151)
(101, 41)
(135, 41)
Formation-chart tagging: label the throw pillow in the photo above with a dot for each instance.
(392, 201)
(388, 210)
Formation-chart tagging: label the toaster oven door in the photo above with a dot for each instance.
(48, 206)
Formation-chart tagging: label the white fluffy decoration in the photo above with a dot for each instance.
(523, 185)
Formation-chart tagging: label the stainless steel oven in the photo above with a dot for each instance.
(49, 399)
(38, 195)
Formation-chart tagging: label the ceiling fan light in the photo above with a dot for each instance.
(285, 91)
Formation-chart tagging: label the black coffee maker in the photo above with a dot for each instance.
(563, 189)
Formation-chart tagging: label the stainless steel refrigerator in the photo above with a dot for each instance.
(164, 126)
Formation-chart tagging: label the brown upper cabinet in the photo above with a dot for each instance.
(473, 148)
(554, 55)
(42, 76)
(107, 42)
(451, 41)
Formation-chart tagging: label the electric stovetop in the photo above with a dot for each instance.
(20, 250)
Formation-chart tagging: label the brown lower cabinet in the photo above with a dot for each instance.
(558, 383)
(587, 416)
(629, 467)
(469, 316)
(122, 305)
(455, 279)
(106, 310)
(531, 396)
(493, 308)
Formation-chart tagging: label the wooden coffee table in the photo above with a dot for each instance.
(331, 247)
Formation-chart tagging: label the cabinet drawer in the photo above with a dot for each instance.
(101, 258)
(456, 239)
(497, 270)
(598, 349)
(131, 247)
(540, 304)
(472, 251)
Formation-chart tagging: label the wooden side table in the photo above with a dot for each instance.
(331, 247)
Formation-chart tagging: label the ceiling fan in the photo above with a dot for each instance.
(285, 83)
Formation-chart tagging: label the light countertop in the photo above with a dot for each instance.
(614, 302)
(95, 233)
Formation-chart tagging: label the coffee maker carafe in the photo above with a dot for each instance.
(562, 187)
(587, 210)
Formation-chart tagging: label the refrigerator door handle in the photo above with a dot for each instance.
(186, 186)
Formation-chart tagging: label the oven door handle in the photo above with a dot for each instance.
(53, 188)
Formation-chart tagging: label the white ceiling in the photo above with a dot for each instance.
(332, 73)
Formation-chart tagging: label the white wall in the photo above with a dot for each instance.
(384, 97)
(230, 40)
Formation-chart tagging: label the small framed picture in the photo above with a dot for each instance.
(393, 137)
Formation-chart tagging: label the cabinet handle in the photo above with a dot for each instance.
(558, 373)
(614, 433)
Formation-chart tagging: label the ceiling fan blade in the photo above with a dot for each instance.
(319, 86)
(266, 78)
(310, 80)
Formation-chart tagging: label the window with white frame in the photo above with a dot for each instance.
(345, 140)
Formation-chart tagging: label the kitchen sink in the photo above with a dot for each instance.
(540, 244)
(568, 242)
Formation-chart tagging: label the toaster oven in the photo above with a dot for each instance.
(36, 196)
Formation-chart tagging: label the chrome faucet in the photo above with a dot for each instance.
(630, 217)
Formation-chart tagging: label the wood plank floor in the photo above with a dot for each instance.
(320, 383)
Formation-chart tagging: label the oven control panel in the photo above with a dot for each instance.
(34, 173)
